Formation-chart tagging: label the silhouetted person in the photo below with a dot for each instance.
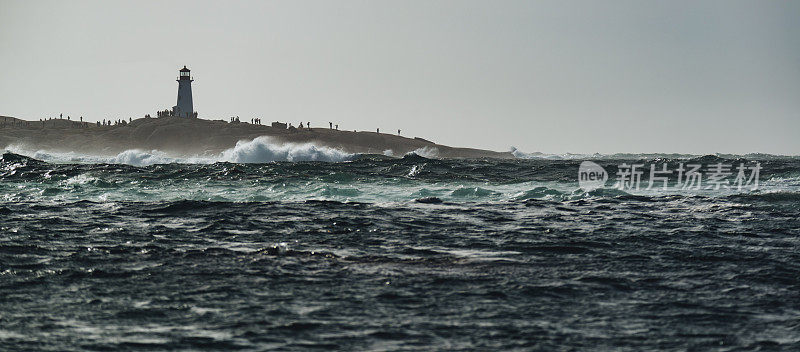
(398, 132)
(378, 130)
(301, 125)
(337, 127)
(330, 123)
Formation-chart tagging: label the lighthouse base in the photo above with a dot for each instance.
(175, 112)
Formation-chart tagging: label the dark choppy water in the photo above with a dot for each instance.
(309, 255)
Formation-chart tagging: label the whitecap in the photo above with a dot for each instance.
(258, 150)
(262, 150)
(426, 152)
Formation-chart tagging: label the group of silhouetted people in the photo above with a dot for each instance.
(76, 124)
(117, 122)
(307, 125)
(81, 124)
(301, 125)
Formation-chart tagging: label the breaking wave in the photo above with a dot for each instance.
(142, 158)
(539, 155)
(261, 150)
(135, 157)
(426, 152)
(258, 150)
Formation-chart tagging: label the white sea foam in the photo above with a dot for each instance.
(262, 150)
(259, 150)
(426, 152)
(142, 158)
(538, 155)
(133, 157)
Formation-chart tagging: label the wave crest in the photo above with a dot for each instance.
(425, 152)
(258, 150)
(261, 150)
(142, 158)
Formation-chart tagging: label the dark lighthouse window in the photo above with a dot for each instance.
(184, 72)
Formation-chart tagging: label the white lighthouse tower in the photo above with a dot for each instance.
(184, 108)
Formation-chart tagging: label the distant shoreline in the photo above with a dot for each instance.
(188, 136)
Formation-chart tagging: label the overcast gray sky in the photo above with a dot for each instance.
(551, 76)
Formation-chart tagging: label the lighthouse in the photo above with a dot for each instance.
(184, 108)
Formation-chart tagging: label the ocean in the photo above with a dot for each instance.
(306, 248)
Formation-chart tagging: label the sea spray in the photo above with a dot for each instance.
(262, 150)
(539, 155)
(426, 152)
(141, 158)
(135, 157)
(258, 150)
